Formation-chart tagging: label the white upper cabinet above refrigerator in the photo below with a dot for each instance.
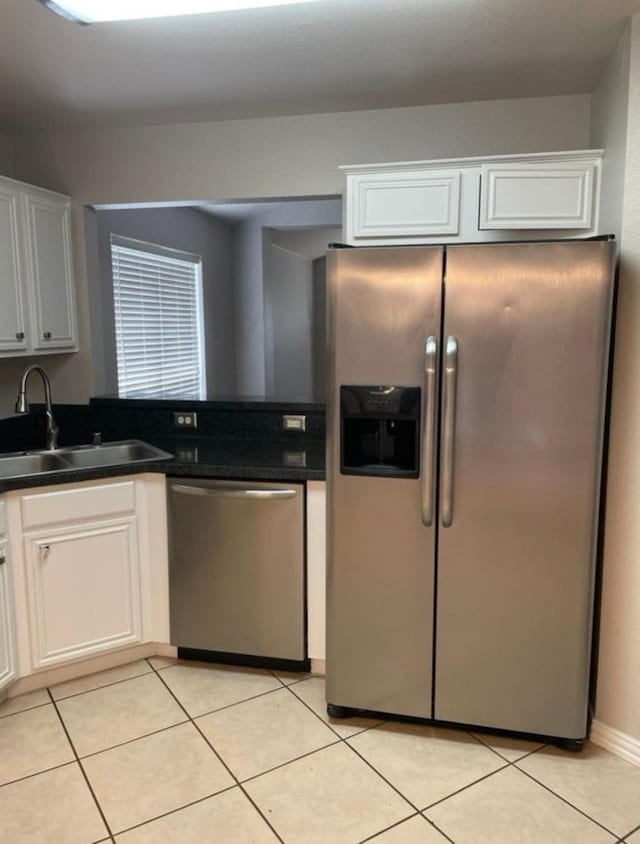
(473, 199)
(37, 288)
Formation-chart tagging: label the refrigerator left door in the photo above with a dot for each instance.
(384, 327)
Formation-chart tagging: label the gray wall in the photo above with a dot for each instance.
(286, 156)
(176, 228)
(295, 306)
(6, 156)
(250, 255)
(609, 119)
(617, 126)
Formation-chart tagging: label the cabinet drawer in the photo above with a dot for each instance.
(400, 204)
(537, 196)
(75, 505)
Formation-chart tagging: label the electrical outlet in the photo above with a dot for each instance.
(187, 455)
(295, 458)
(185, 419)
(294, 423)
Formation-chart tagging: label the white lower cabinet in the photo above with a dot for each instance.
(90, 568)
(83, 583)
(8, 668)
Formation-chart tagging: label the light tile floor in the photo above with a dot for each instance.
(167, 752)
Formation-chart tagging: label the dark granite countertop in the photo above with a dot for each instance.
(302, 460)
(72, 476)
(236, 438)
(204, 457)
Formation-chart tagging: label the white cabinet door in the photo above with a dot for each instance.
(405, 204)
(12, 329)
(84, 590)
(553, 195)
(52, 287)
(8, 671)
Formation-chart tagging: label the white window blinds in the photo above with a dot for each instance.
(157, 297)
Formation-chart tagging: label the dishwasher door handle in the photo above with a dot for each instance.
(226, 492)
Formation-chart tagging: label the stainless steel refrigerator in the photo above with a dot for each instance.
(467, 391)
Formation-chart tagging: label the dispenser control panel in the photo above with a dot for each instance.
(380, 430)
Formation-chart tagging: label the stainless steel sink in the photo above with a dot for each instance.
(26, 464)
(18, 465)
(112, 454)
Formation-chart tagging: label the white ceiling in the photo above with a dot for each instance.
(333, 55)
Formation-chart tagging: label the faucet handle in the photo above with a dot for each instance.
(97, 438)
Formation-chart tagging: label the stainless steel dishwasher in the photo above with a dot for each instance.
(236, 569)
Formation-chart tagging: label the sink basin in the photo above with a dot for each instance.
(26, 464)
(112, 454)
(18, 465)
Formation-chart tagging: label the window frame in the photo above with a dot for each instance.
(149, 248)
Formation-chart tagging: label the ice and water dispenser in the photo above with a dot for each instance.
(380, 431)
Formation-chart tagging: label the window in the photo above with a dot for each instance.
(157, 298)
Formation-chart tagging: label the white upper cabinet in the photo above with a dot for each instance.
(555, 195)
(473, 199)
(405, 204)
(12, 333)
(37, 293)
(49, 242)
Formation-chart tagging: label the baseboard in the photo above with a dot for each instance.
(619, 743)
(81, 668)
(318, 666)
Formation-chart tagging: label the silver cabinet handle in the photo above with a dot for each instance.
(225, 492)
(450, 378)
(429, 428)
(44, 551)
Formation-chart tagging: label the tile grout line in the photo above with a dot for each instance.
(81, 766)
(221, 760)
(98, 688)
(353, 750)
(373, 837)
(177, 809)
(130, 741)
(564, 800)
(327, 724)
(26, 709)
(376, 726)
(37, 773)
(293, 682)
(227, 705)
(288, 762)
(481, 741)
(345, 740)
(388, 828)
(469, 785)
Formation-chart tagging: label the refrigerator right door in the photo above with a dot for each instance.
(525, 361)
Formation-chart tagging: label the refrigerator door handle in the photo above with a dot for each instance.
(429, 428)
(450, 377)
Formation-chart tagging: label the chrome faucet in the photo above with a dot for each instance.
(22, 405)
